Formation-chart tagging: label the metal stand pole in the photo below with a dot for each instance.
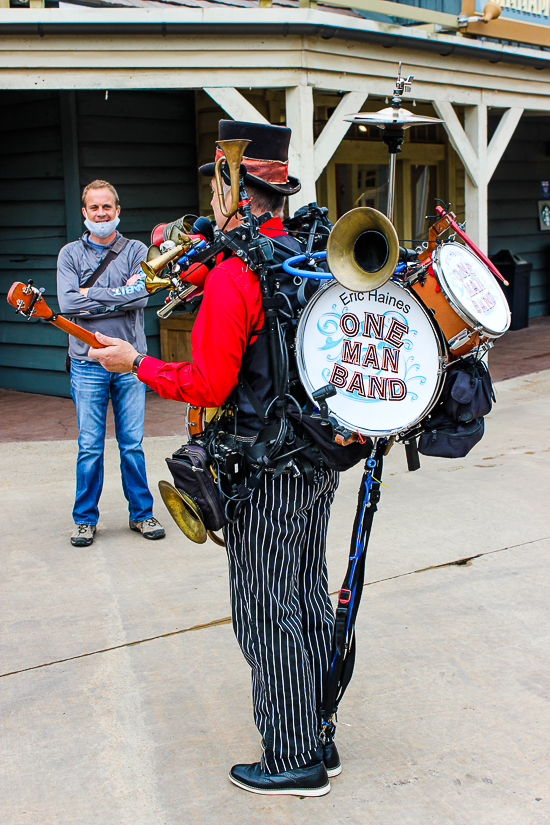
(343, 638)
(391, 187)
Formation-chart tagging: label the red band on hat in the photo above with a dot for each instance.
(272, 171)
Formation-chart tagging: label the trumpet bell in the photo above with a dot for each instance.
(233, 151)
(154, 281)
(184, 511)
(154, 265)
(363, 249)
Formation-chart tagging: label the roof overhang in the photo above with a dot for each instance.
(83, 20)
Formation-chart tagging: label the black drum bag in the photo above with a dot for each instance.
(191, 473)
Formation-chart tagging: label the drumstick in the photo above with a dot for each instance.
(473, 247)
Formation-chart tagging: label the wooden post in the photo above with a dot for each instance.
(480, 160)
(475, 129)
(299, 118)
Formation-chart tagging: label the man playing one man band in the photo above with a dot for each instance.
(91, 385)
(282, 614)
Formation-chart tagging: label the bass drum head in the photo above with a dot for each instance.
(471, 289)
(380, 349)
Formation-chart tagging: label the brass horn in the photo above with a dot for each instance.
(362, 249)
(233, 151)
(153, 266)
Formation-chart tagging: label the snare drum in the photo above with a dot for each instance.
(465, 298)
(382, 352)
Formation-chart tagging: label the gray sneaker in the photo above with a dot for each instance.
(149, 529)
(83, 535)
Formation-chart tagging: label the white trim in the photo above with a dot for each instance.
(459, 140)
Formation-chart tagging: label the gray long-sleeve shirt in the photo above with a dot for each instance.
(75, 264)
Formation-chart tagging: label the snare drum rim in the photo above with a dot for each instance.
(442, 350)
(462, 312)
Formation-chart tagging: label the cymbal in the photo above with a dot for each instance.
(390, 117)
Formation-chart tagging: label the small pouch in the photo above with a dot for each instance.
(468, 391)
(190, 470)
(446, 439)
(334, 456)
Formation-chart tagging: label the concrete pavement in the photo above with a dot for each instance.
(126, 699)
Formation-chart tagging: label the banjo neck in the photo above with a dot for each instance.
(29, 301)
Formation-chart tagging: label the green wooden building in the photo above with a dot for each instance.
(134, 95)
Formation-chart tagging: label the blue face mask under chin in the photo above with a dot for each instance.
(102, 230)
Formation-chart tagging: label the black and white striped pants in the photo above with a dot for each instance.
(282, 614)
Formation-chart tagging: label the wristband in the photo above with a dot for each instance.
(135, 366)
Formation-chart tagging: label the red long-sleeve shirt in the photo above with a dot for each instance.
(229, 315)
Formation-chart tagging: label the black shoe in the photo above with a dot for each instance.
(309, 781)
(331, 759)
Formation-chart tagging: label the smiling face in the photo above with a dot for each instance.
(100, 207)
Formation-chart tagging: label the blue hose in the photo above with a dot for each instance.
(289, 266)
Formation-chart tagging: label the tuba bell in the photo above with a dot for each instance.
(362, 249)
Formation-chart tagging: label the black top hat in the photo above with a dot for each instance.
(266, 156)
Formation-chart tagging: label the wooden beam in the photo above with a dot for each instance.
(71, 173)
(235, 104)
(332, 135)
(501, 139)
(459, 140)
(239, 108)
(506, 29)
(400, 10)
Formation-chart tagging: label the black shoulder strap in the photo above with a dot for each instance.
(253, 398)
(117, 247)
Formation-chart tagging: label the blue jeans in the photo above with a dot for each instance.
(91, 386)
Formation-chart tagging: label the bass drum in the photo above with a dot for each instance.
(382, 352)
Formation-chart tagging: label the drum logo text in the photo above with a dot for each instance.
(480, 295)
(377, 296)
(385, 388)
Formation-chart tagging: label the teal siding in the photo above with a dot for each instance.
(149, 158)
(514, 192)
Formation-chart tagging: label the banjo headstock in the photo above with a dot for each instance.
(28, 300)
